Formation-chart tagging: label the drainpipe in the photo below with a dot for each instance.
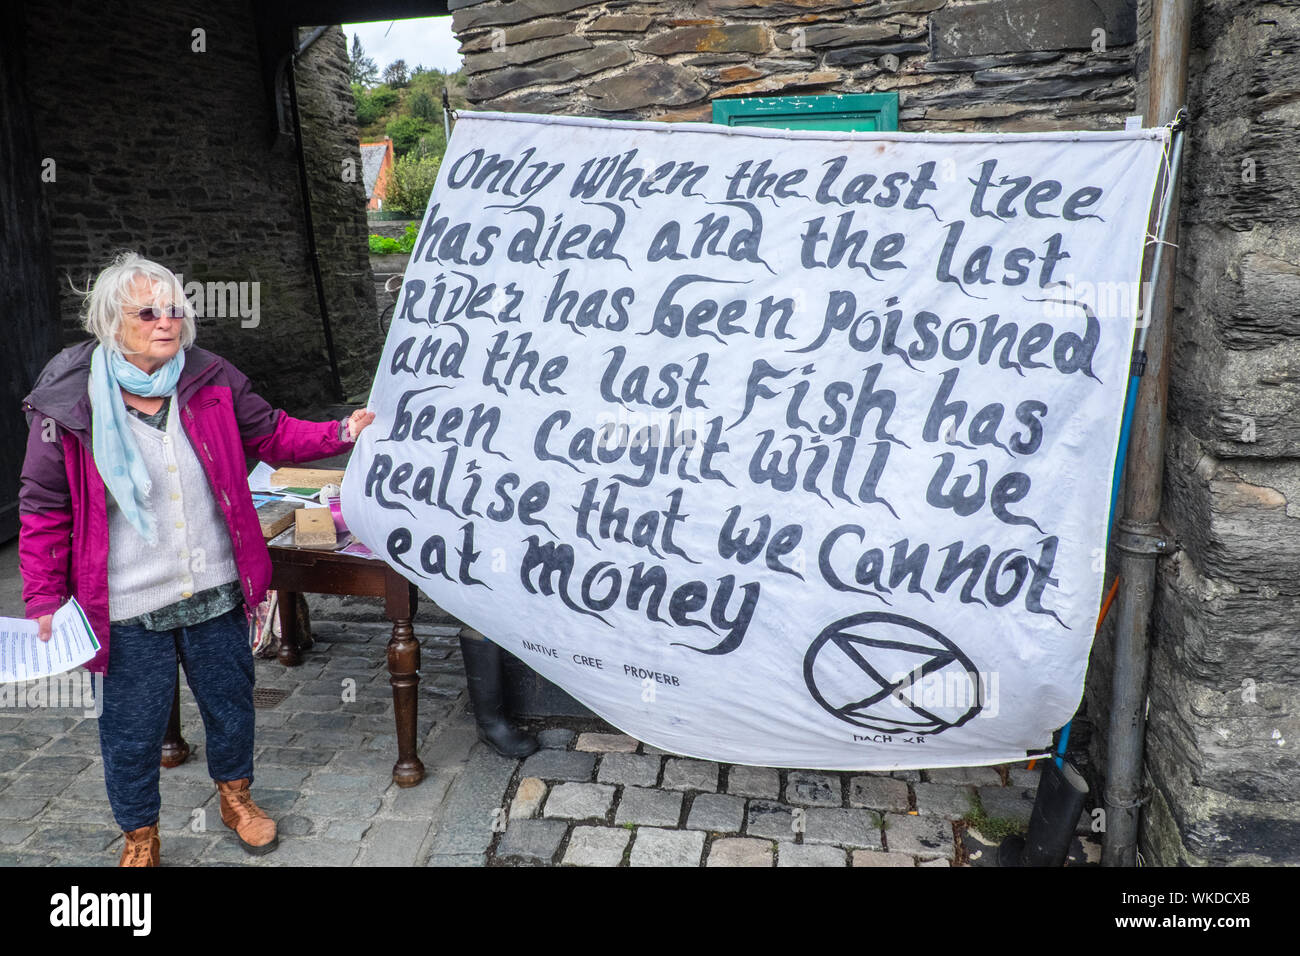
(1139, 537)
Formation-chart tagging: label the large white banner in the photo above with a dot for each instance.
(778, 448)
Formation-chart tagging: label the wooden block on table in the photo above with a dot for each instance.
(305, 477)
(314, 527)
(275, 516)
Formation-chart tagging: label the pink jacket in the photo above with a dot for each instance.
(63, 539)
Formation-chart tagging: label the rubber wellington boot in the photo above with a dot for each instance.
(140, 847)
(256, 830)
(486, 674)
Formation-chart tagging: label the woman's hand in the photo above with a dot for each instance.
(46, 621)
(357, 421)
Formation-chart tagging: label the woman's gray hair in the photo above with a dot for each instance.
(108, 295)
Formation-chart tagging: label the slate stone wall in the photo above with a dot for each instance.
(172, 153)
(1224, 718)
(996, 64)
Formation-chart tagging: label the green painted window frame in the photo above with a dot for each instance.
(867, 112)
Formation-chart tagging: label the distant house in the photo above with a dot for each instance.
(377, 170)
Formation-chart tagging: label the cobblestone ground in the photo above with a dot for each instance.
(590, 797)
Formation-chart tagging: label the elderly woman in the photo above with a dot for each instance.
(135, 500)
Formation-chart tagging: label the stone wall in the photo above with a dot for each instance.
(996, 64)
(1224, 719)
(172, 153)
(332, 145)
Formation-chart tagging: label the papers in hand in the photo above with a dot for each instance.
(24, 656)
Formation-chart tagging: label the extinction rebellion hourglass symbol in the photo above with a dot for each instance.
(892, 675)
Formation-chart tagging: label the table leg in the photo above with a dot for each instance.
(290, 653)
(404, 675)
(175, 751)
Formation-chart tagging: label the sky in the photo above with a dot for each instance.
(425, 42)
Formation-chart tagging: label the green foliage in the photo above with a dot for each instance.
(361, 68)
(413, 179)
(372, 104)
(422, 106)
(396, 74)
(386, 245)
(995, 828)
(405, 131)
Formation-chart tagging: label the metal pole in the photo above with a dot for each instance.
(1139, 537)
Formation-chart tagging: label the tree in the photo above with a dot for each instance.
(361, 68)
(421, 106)
(405, 132)
(413, 179)
(396, 74)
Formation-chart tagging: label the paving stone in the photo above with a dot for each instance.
(560, 765)
(182, 850)
(474, 804)
(853, 828)
(60, 765)
(740, 851)
(761, 782)
(936, 862)
(717, 813)
(911, 776)
(656, 847)
(797, 854)
(379, 765)
(532, 839)
(597, 846)
(812, 789)
(346, 831)
(649, 807)
(457, 859)
(977, 776)
(328, 781)
(25, 809)
(683, 773)
(394, 843)
(314, 851)
(15, 833)
(878, 793)
(320, 807)
(277, 778)
(1007, 803)
(294, 824)
(423, 801)
(579, 801)
(629, 769)
(72, 841)
(952, 801)
(1021, 776)
(766, 819)
(66, 745)
(528, 798)
(36, 785)
(925, 837)
(294, 757)
(657, 752)
(607, 743)
(12, 761)
(94, 813)
(876, 858)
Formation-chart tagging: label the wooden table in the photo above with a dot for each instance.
(295, 570)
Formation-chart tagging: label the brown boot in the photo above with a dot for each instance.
(140, 847)
(256, 831)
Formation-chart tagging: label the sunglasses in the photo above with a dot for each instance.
(151, 314)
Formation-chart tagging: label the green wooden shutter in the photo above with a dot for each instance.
(864, 112)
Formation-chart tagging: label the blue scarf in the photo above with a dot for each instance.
(116, 455)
